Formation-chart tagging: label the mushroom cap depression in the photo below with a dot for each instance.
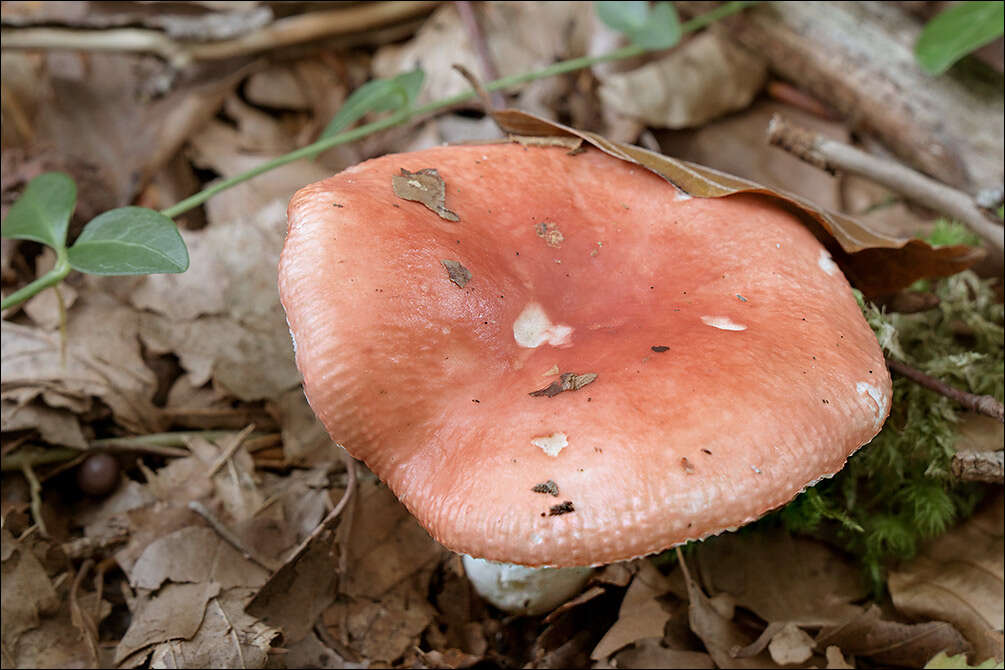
(733, 367)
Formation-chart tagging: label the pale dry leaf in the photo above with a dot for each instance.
(227, 638)
(223, 320)
(959, 578)
(382, 630)
(194, 555)
(387, 545)
(703, 79)
(276, 86)
(649, 653)
(57, 642)
(103, 360)
(56, 426)
(836, 660)
(175, 611)
(520, 37)
(891, 642)
(641, 614)
(28, 594)
(310, 652)
(305, 440)
(720, 635)
(300, 590)
(791, 645)
(780, 577)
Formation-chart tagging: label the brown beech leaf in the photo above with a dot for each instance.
(876, 263)
(959, 578)
(890, 642)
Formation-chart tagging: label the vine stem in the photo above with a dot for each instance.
(50, 278)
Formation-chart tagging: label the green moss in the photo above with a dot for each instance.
(898, 490)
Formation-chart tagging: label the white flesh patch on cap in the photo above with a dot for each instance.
(681, 196)
(533, 328)
(877, 397)
(722, 323)
(826, 264)
(551, 444)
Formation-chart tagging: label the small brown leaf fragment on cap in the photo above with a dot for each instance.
(569, 381)
(426, 187)
(458, 274)
(660, 348)
(563, 508)
(686, 464)
(549, 487)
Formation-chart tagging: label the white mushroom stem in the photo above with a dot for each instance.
(519, 589)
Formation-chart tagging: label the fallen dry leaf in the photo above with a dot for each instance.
(650, 653)
(890, 642)
(781, 578)
(102, 360)
(641, 615)
(959, 578)
(704, 78)
(720, 635)
(175, 611)
(227, 638)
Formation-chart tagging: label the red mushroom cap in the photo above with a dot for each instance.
(733, 367)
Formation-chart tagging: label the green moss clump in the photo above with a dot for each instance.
(898, 490)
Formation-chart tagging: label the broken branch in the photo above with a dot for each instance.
(831, 156)
(983, 404)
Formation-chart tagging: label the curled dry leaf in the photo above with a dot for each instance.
(876, 263)
(424, 186)
(959, 578)
(704, 78)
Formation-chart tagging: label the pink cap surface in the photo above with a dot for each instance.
(733, 366)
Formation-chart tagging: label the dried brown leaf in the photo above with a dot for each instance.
(875, 262)
(103, 360)
(780, 577)
(703, 79)
(175, 611)
(650, 653)
(890, 642)
(641, 615)
(195, 554)
(959, 578)
(227, 638)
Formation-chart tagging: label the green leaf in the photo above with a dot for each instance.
(129, 241)
(625, 17)
(42, 213)
(379, 95)
(957, 31)
(652, 27)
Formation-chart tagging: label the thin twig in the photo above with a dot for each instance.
(229, 535)
(287, 31)
(983, 404)
(229, 450)
(81, 619)
(831, 155)
(979, 466)
(336, 511)
(35, 491)
(477, 38)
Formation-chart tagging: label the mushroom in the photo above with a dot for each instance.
(562, 361)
